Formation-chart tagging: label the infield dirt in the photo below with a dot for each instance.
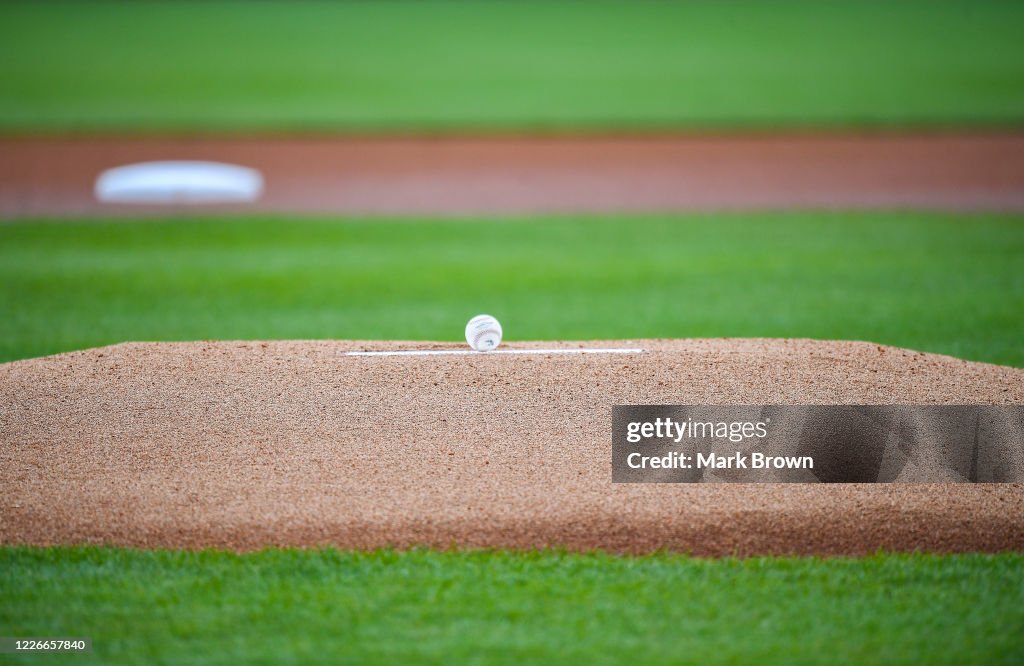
(460, 175)
(249, 444)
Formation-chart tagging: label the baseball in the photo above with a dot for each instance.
(483, 333)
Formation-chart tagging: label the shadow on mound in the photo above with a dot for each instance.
(919, 443)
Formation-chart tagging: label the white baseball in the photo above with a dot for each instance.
(483, 333)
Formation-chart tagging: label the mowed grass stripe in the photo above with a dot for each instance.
(325, 606)
(949, 284)
(382, 66)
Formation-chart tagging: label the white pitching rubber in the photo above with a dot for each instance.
(461, 352)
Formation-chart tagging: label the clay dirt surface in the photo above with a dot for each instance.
(243, 445)
(463, 175)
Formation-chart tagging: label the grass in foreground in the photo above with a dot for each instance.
(942, 283)
(522, 65)
(284, 606)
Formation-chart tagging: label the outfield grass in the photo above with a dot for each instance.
(942, 283)
(523, 65)
(429, 607)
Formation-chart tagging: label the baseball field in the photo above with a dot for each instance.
(786, 203)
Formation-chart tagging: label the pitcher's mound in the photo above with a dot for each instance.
(244, 445)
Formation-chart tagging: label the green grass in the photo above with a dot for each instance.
(946, 283)
(523, 65)
(324, 606)
(942, 283)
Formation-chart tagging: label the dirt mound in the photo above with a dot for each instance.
(250, 444)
